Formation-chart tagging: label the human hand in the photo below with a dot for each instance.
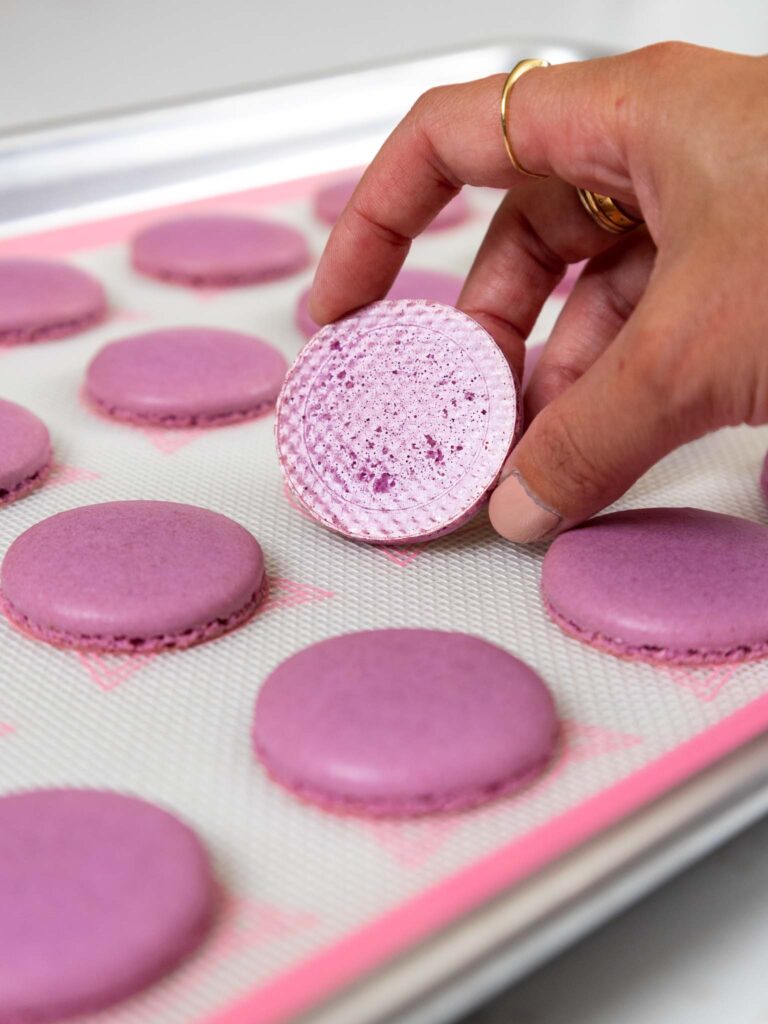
(665, 335)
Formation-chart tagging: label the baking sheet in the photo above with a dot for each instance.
(311, 901)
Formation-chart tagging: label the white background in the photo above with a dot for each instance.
(68, 58)
(696, 949)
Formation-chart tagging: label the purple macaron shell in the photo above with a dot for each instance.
(666, 585)
(394, 422)
(132, 576)
(331, 200)
(41, 299)
(25, 452)
(411, 283)
(185, 376)
(764, 479)
(101, 895)
(219, 249)
(403, 722)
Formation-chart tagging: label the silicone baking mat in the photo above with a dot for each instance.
(310, 901)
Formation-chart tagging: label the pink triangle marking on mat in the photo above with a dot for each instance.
(168, 442)
(108, 671)
(62, 475)
(283, 593)
(583, 741)
(402, 557)
(413, 844)
(129, 315)
(206, 293)
(251, 924)
(294, 503)
(704, 683)
(6, 729)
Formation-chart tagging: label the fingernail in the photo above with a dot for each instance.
(517, 513)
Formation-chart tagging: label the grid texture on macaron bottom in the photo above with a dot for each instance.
(394, 422)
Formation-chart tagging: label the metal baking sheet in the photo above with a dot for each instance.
(331, 919)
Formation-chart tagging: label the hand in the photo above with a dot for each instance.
(665, 336)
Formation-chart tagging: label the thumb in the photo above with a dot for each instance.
(644, 396)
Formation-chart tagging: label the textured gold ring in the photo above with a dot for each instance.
(607, 213)
(516, 73)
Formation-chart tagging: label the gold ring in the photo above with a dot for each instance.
(607, 213)
(517, 72)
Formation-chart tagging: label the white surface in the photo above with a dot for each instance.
(61, 60)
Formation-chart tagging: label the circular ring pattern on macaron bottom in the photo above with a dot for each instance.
(219, 250)
(185, 377)
(41, 300)
(394, 422)
(130, 576)
(102, 895)
(402, 722)
(25, 452)
(410, 283)
(664, 585)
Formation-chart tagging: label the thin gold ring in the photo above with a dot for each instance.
(607, 213)
(517, 72)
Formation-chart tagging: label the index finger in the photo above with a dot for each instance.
(563, 121)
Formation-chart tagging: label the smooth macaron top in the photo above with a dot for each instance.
(403, 721)
(410, 283)
(131, 569)
(186, 376)
(331, 200)
(42, 299)
(101, 894)
(394, 422)
(669, 583)
(219, 249)
(25, 446)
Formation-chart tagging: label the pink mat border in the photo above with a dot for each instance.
(325, 973)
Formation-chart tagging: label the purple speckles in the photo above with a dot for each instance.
(383, 484)
(390, 383)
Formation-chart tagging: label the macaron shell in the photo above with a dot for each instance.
(219, 250)
(102, 894)
(42, 299)
(185, 377)
(394, 422)
(403, 722)
(132, 575)
(331, 200)
(764, 479)
(25, 450)
(668, 585)
(411, 283)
